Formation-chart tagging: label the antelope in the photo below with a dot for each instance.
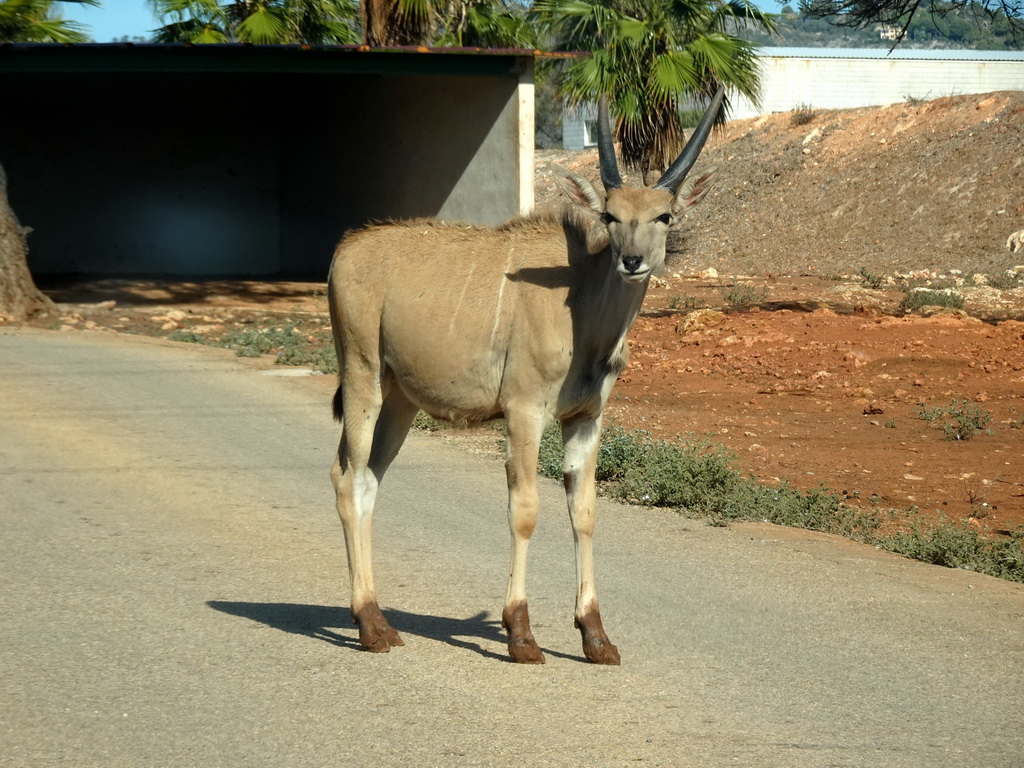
(526, 321)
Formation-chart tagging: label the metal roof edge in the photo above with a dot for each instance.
(256, 46)
(245, 57)
(906, 54)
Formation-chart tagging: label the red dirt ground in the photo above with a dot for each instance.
(822, 398)
(819, 382)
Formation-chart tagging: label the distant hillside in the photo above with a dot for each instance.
(935, 185)
(956, 29)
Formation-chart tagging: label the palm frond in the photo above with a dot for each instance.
(266, 25)
(650, 56)
(189, 31)
(40, 21)
(191, 21)
(59, 31)
(675, 72)
(184, 9)
(208, 34)
(318, 22)
(729, 60)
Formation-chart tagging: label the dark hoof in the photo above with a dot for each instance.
(380, 639)
(601, 652)
(596, 645)
(391, 636)
(521, 646)
(374, 644)
(525, 652)
(375, 634)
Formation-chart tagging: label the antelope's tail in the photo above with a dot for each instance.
(338, 405)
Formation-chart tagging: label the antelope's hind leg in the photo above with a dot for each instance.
(372, 434)
(524, 433)
(581, 438)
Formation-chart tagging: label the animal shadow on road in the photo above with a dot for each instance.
(333, 624)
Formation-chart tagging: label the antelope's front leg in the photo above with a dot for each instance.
(582, 437)
(523, 503)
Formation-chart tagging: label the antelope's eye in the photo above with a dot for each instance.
(607, 218)
(665, 219)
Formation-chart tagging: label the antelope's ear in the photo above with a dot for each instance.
(579, 190)
(692, 192)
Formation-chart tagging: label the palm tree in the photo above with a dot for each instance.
(265, 22)
(461, 23)
(27, 21)
(40, 21)
(19, 296)
(486, 24)
(475, 23)
(398, 22)
(652, 57)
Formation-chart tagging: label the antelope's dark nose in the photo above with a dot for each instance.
(632, 263)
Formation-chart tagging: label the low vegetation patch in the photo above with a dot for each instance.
(957, 545)
(743, 294)
(702, 480)
(289, 344)
(931, 297)
(802, 115)
(870, 279)
(1006, 281)
(688, 118)
(960, 420)
(686, 303)
(427, 423)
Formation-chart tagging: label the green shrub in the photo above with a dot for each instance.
(802, 115)
(253, 342)
(688, 118)
(619, 449)
(549, 462)
(1006, 281)
(960, 546)
(869, 279)
(190, 337)
(743, 294)
(700, 480)
(926, 297)
(686, 303)
(426, 422)
(319, 356)
(960, 420)
(818, 509)
(692, 475)
(292, 346)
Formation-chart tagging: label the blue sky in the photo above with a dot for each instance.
(117, 18)
(114, 18)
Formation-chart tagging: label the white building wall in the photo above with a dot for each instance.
(574, 134)
(869, 78)
(827, 78)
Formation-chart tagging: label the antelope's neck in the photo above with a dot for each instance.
(608, 308)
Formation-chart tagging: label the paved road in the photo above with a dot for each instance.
(173, 593)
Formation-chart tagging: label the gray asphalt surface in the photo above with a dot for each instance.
(173, 593)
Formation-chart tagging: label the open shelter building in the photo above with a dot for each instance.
(240, 160)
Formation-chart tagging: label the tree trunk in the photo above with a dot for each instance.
(19, 297)
(391, 22)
